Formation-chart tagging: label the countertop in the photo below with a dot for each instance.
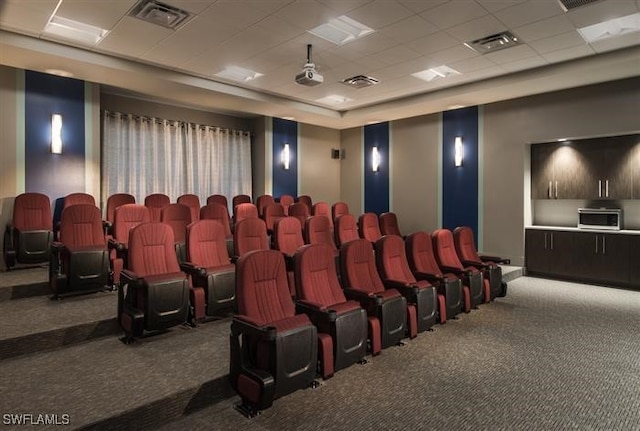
(575, 229)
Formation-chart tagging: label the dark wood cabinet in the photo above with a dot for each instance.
(594, 169)
(602, 257)
(584, 256)
(635, 170)
(549, 252)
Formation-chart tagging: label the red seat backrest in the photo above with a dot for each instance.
(318, 231)
(359, 267)
(244, 211)
(126, 217)
(262, 289)
(32, 211)
(465, 244)
(338, 209)
(240, 199)
(272, 213)
(218, 199)
(444, 249)
(78, 199)
(391, 259)
(115, 200)
(420, 253)
(177, 216)
(206, 244)
(286, 201)
(81, 225)
(316, 277)
(262, 202)
(368, 227)
(301, 211)
(323, 209)
(219, 213)
(389, 224)
(305, 199)
(250, 234)
(155, 203)
(152, 250)
(193, 202)
(287, 235)
(345, 229)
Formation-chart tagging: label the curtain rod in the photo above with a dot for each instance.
(173, 123)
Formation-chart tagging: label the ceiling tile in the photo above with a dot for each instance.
(451, 55)
(511, 54)
(192, 6)
(496, 5)
(306, 14)
(568, 54)
(560, 41)
(100, 13)
(367, 45)
(544, 28)
(528, 12)
(601, 11)
(380, 13)
(472, 64)
(454, 13)
(396, 54)
(612, 43)
(27, 17)
(342, 7)
(527, 63)
(409, 29)
(433, 43)
(406, 68)
(476, 29)
(133, 37)
(418, 6)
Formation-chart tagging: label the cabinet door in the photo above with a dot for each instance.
(635, 170)
(614, 169)
(536, 250)
(572, 177)
(542, 170)
(634, 261)
(561, 253)
(614, 257)
(588, 257)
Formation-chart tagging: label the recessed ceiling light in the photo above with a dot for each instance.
(240, 74)
(74, 30)
(341, 30)
(435, 72)
(612, 28)
(333, 99)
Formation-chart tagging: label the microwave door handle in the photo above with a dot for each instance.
(606, 186)
(556, 190)
(549, 190)
(599, 188)
(596, 244)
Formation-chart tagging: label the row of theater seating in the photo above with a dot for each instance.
(346, 298)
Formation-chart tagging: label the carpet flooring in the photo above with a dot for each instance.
(550, 356)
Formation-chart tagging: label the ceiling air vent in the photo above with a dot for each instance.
(360, 81)
(160, 14)
(567, 5)
(493, 43)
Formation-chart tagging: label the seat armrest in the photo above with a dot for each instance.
(405, 289)
(192, 269)
(129, 277)
(475, 264)
(245, 325)
(432, 278)
(316, 312)
(115, 245)
(57, 247)
(362, 296)
(456, 271)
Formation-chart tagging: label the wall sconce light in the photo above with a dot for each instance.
(56, 134)
(285, 157)
(459, 152)
(375, 159)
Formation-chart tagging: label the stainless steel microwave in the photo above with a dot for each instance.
(600, 218)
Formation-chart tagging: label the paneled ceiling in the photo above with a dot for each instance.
(270, 37)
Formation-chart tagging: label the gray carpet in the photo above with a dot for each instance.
(552, 355)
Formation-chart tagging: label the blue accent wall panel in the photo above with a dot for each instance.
(376, 184)
(285, 182)
(55, 175)
(460, 184)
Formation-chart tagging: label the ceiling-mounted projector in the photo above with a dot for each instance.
(309, 76)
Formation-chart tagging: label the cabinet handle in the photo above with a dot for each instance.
(545, 240)
(551, 236)
(604, 245)
(550, 190)
(596, 244)
(599, 188)
(606, 186)
(556, 190)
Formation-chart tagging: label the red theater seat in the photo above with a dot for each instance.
(28, 237)
(153, 293)
(286, 201)
(273, 351)
(345, 229)
(250, 234)
(287, 238)
(301, 211)
(177, 216)
(113, 202)
(389, 224)
(155, 203)
(368, 227)
(338, 209)
(394, 271)
(193, 203)
(262, 202)
(362, 283)
(220, 214)
(323, 209)
(271, 214)
(240, 199)
(125, 218)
